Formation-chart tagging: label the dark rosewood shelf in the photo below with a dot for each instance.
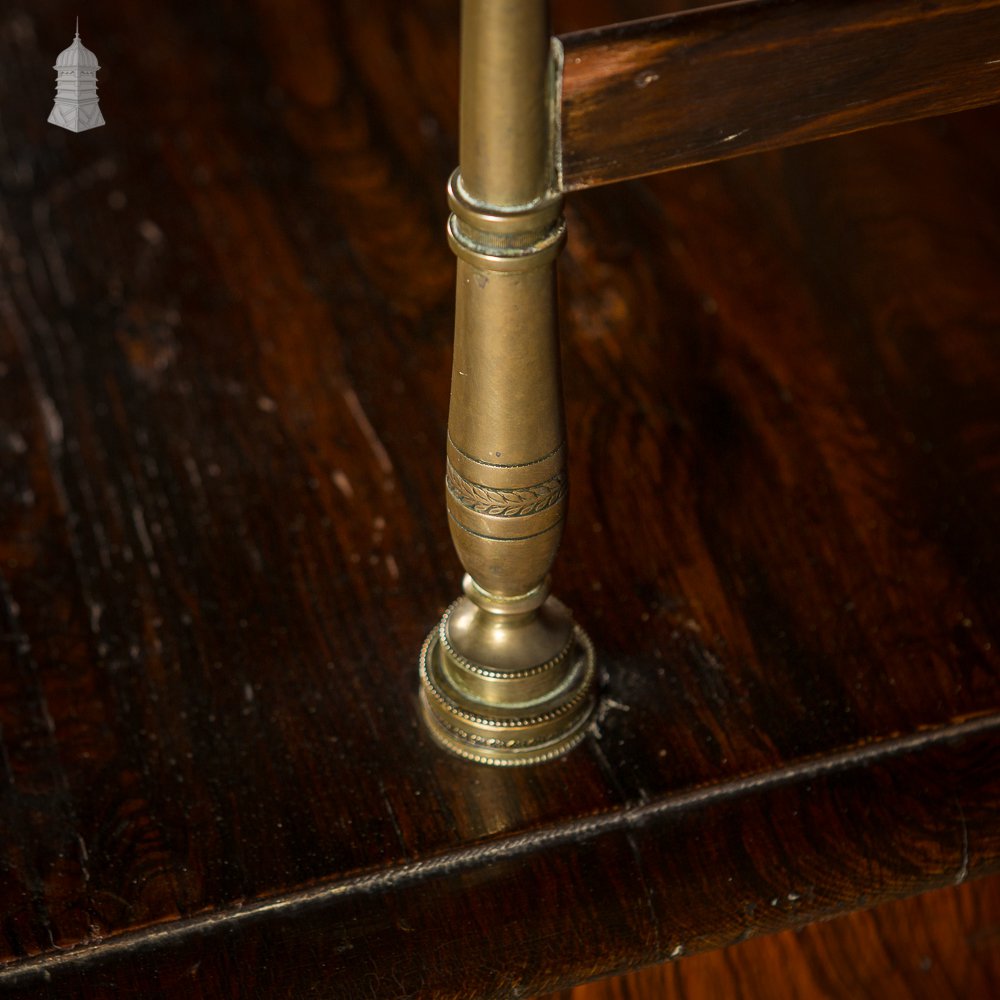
(225, 324)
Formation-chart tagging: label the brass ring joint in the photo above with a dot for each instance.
(538, 217)
(500, 238)
(523, 258)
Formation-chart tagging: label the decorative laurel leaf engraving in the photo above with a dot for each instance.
(506, 503)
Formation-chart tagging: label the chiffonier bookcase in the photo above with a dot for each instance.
(725, 659)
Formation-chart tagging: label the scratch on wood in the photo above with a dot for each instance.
(387, 802)
(53, 422)
(342, 483)
(963, 871)
(50, 251)
(84, 858)
(361, 419)
(139, 520)
(647, 892)
(43, 709)
(392, 566)
(194, 475)
(605, 708)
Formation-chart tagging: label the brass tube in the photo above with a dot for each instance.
(504, 154)
(506, 678)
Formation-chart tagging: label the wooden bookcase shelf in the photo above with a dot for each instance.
(225, 328)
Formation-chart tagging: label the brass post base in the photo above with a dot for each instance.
(507, 678)
(484, 699)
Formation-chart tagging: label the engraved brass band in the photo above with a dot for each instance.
(506, 678)
(506, 511)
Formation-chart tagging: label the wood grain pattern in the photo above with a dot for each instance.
(225, 338)
(504, 918)
(945, 944)
(703, 85)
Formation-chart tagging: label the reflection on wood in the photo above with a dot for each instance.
(939, 946)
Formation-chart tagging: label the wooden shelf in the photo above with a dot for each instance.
(939, 944)
(225, 324)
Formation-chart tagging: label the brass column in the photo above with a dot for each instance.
(506, 678)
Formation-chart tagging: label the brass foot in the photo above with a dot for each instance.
(507, 681)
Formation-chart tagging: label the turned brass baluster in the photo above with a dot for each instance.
(506, 678)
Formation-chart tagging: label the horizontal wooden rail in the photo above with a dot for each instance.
(718, 82)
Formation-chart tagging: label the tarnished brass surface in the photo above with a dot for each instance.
(529, 701)
(504, 144)
(506, 678)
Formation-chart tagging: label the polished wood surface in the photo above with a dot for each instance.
(713, 83)
(225, 327)
(944, 945)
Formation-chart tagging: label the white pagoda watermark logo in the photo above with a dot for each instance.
(76, 106)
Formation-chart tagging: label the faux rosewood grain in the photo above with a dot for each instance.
(931, 946)
(718, 82)
(225, 340)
